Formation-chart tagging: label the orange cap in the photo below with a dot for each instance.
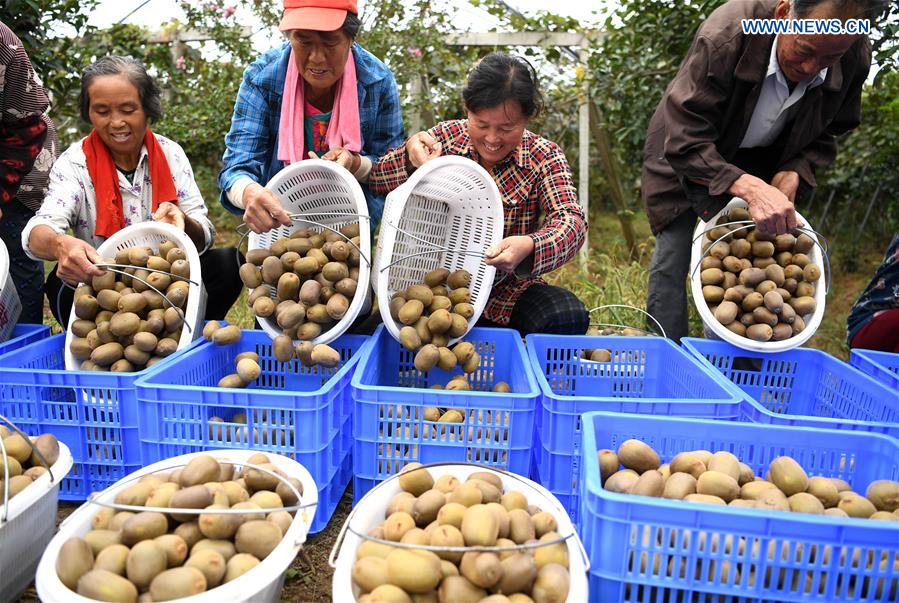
(316, 15)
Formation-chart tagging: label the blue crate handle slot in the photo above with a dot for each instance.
(335, 550)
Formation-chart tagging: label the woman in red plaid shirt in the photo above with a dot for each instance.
(501, 95)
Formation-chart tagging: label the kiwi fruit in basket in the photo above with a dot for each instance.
(127, 322)
(449, 512)
(23, 464)
(759, 286)
(699, 476)
(164, 556)
(304, 284)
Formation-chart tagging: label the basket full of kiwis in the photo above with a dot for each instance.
(310, 281)
(755, 290)
(149, 303)
(214, 526)
(429, 262)
(459, 532)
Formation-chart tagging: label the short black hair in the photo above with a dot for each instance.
(351, 25)
(135, 71)
(870, 9)
(499, 77)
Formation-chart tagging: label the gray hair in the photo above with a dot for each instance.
(136, 73)
(869, 9)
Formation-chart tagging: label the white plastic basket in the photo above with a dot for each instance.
(10, 305)
(712, 325)
(27, 524)
(370, 512)
(262, 583)
(445, 215)
(151, 234)
(329, 197)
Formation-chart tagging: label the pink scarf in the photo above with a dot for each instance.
(343, 128)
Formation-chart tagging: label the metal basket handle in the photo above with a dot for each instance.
(5, 457)
(628, 307)
(346, 527)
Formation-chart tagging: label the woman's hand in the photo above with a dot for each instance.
(509, 252)
(769, 207)
(421, 148)
(342, 157)
(76, 260)
(262, 209)
(170, 213)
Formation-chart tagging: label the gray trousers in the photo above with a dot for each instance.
(667, 299)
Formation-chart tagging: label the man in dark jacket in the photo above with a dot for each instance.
(751, 116)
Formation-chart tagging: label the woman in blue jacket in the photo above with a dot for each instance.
(318, 95)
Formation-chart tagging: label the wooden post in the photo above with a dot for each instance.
(610, 166)
(584, 158)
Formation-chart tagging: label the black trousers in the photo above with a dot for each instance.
(220, 277)
(546, 309)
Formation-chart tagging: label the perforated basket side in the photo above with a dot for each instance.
(328, 195)
(10, 305)
(151, 234)
(449, 205)
(710, 323)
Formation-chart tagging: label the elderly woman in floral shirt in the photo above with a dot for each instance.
(533, 177)
(122, 174)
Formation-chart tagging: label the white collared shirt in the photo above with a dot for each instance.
(71, 201)
(776, 104)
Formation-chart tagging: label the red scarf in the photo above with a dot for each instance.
(103, 173)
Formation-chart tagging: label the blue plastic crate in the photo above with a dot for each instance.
(390, 395)
(646, 375)
(300, 412)
(22, 335)
(94, 413)
(804, 387)
(654, 549)
(883, 366)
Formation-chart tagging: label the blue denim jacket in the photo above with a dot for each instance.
(251, 146)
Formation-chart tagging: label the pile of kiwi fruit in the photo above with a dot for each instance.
(700, 476)
(720, 478)
(122, 324)
(152, 556)
(433, 312)
(447, 512)
(23, 464)
(758, 285)
(304, 283)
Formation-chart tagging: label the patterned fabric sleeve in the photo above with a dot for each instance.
(249, 140)
(22, 103)
(65, 195)
(564, 224)
(389, 172)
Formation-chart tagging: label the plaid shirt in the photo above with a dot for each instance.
(251, 146)
(534, 179)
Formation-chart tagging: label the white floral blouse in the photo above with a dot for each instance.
(71, 202)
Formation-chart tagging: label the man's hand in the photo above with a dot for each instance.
(76, 260)
(769, 207)
(421, 148)
(787, 183)
(170, 214)
(262, 209)
(509, 253)
(342, 157)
